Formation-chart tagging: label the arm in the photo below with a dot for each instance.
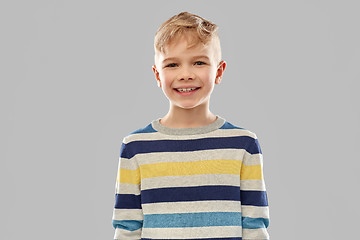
(254, 210)
(127, 214)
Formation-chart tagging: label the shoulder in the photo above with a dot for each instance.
(133, 141)
(247, 138)
(237, 129)
(139, 133)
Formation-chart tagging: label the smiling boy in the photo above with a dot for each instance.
(190, 174)
(187, 63)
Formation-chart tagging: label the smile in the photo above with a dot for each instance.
(187, 92)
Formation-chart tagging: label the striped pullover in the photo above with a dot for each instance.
(190, 183)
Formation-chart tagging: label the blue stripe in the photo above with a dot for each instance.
(147, 129)
(200, 193)
(150, 129)
(202, 219)
(228, 125)
(122, 149)
(255, 198)
(253, 223)
(236, 142)
(130, 225)
(127, 201)
(255, 148)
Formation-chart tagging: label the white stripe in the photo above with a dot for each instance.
(127, 188)
(161, 136)
(127, 163)
(252, 159)
(191, 180)
(127, 214)
(190, 156)
(255, 212)
(256, 234)
(122, 234)
(191, 207)
(192, 232)
(253, 184)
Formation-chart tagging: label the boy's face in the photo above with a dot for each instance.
(193, 67)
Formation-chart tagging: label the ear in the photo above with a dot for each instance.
(220, 72)
(157, 75)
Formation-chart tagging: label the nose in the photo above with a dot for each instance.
(186, 73)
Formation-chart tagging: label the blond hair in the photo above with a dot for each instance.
(203, 31)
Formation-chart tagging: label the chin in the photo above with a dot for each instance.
(186, 106)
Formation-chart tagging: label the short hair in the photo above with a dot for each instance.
(203, 31)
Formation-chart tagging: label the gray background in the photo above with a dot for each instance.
(76, 78)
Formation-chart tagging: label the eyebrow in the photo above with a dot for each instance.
(175, 58)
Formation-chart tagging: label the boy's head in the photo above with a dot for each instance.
(197, 29)
(187, 56)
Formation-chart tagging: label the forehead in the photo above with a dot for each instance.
(185, 46)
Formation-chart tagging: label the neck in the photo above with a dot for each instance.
(184, 118)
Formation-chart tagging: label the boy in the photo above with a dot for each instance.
(190, 174)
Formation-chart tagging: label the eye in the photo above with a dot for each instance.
(201, 63)
(171, 65)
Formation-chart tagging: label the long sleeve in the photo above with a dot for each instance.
(254, 210)
(127, 214)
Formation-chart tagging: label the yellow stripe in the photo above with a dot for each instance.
(223, 166)
(128, 176)
(251, 172)
(219, 166)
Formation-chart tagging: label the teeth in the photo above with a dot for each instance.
(185, 89)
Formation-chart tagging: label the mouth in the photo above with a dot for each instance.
(186, 91)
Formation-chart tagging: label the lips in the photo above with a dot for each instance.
(186, 88)
(187, 93)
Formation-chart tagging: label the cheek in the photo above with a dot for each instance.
(166, 82)
(166, 78)
(206, 76)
